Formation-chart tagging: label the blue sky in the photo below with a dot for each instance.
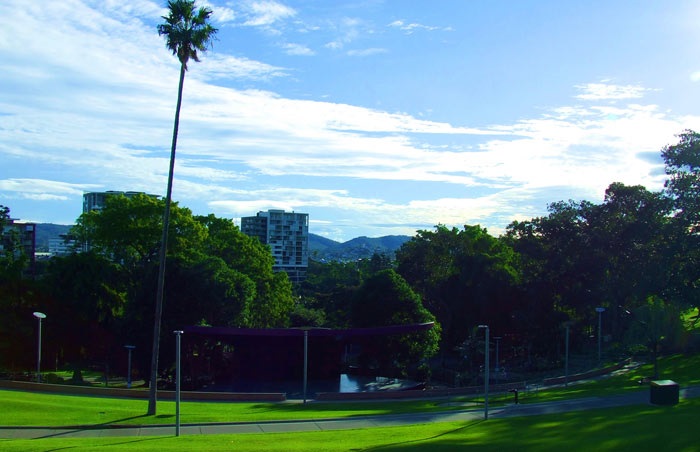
(375, 117)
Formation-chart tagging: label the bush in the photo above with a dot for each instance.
(53, 379)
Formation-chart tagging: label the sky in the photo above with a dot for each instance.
(374, 117)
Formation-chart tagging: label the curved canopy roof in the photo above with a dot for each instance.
(316, 332)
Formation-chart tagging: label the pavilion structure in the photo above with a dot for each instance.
(231, 355)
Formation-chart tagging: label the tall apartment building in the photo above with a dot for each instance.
(287, 235)
(95, 200)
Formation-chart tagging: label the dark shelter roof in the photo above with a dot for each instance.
(220, 331)
(269, 354)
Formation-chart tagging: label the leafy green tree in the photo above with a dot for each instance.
(13, 260)
(583, 255)
(187, 31)
(219, 276)
(244, 254)
(238, 250)
(466, 277)
(304, 316)
(329, 288)
(87, 295)
(386, 299)
(682, 164)
(655, 324)
(17, 297)
(128, 230)
(632, 235)
(375, 264)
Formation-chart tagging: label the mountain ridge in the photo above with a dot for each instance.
(320, 248)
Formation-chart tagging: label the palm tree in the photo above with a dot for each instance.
(187, 31)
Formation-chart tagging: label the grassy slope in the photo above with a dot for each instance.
(618, 429)
(24, 408)
(641, 427)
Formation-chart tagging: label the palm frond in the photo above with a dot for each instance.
(187, 30)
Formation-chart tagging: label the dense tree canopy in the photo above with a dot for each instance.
(683, 185)
(636, 254)
(386, 299)
(217, 275)
(17, 296)
(465, 277)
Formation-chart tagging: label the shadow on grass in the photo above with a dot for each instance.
(362, 408)
(79, 428)
(417, 442)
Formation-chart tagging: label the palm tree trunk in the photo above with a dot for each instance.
(153, 388)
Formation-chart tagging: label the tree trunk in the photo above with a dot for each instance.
(153, 387)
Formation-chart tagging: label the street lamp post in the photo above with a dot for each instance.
(306, 360)
(40, 316)
(497, 368)
(486, 372)
(600, 311)
(178, 333)
(567, 325)
(130, 348)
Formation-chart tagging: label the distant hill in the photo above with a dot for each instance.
(320, 248)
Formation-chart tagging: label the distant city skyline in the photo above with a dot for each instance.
(374, 117)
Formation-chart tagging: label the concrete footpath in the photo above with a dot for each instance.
(529, 409)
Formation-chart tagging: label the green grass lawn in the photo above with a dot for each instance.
(26, 408)
(643, 427)
(634, 428)
(685, 370)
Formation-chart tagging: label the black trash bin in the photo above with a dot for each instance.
(663, 392)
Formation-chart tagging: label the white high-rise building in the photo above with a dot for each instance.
(95, 200)
(62, 245)
(287, 235)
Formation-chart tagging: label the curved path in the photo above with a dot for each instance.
(635, 398)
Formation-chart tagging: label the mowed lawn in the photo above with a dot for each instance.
(37, 409)
(638, 428)
(21, 408)
(634, 428)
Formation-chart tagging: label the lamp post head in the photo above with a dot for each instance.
(178, 332)
(599, 310)
(39, 315)
(129, 347)
(483, 326)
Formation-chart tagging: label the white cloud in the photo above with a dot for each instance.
(334, 45)
(221, 66)
(695, 76)
(266, 13)
(223, 15)
(366, 52)
(41, 189)
(409, 28)
(607, 91)
(298, 49)
(347, 30)
(85, 109)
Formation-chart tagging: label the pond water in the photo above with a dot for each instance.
(295, 389)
